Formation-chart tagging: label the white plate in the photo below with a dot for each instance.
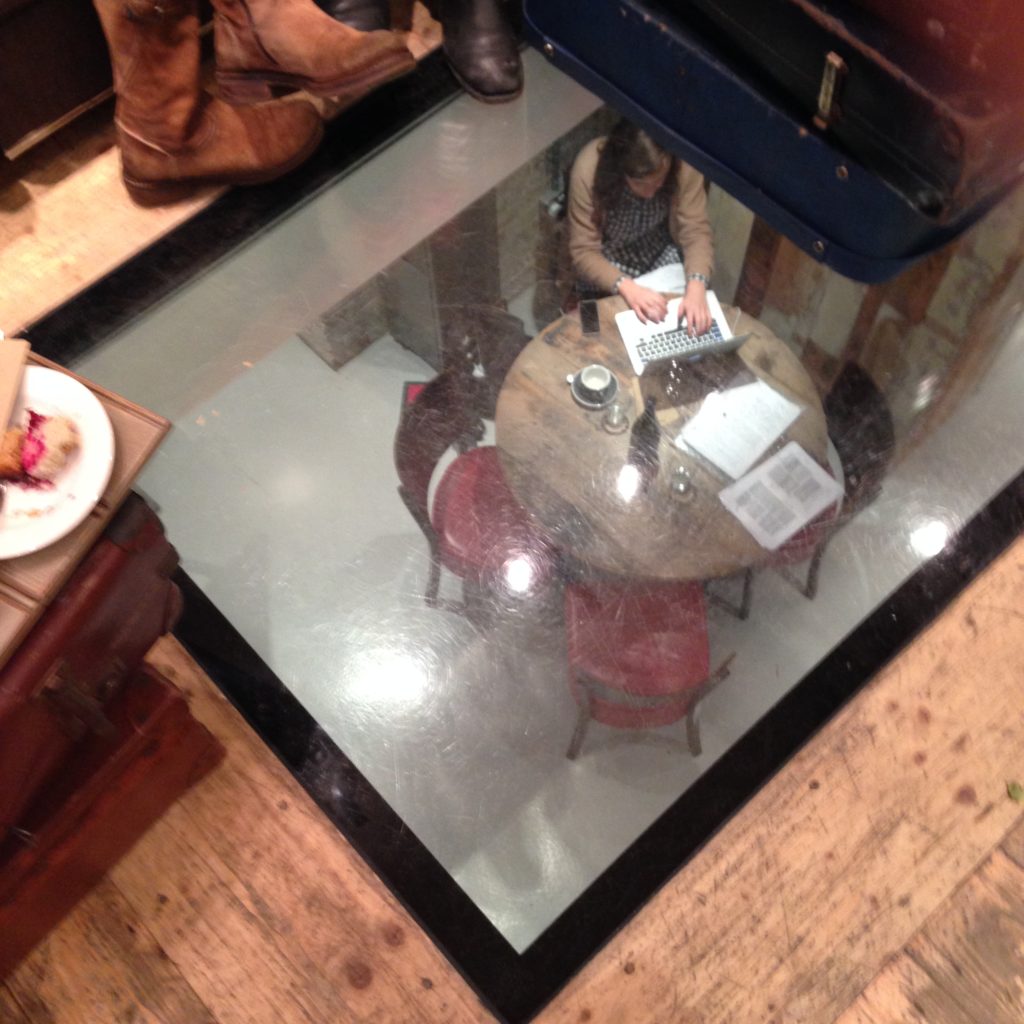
(31, 518)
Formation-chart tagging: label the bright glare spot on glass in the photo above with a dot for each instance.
(518, 573)
(628, 482)
(386, 676)
(929, 538)
(925, 394)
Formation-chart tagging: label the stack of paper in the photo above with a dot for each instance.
(13, 353)
(734, 428)
(781, 496)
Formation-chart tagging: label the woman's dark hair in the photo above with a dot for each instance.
(628, 152)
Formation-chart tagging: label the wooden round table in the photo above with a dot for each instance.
(566, 468)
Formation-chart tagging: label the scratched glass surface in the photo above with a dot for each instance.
(557, 598)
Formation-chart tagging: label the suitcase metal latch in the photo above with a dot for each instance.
(828, 92)
(79, 711)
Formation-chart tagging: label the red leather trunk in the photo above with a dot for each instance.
(85, 820)
(55, 690)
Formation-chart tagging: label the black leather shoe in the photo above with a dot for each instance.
(364, 15)
(481, 48)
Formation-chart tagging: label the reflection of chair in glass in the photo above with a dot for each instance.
(483, 340)
(475, 527)
(638, 655)
(860, 428)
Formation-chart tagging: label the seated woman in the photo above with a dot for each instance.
(632, 208)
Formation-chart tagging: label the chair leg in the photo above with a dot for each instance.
(809, 586)
(582, 721)
(692, 726)
(748, 593)
(434, 580)
(693, 732)
(742, 610)
(477, 602)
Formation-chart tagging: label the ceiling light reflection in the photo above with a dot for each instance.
(926, 391)
(518, 573)
(628, 482)
(930, 537)
(386, 676)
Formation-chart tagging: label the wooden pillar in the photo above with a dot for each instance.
(758, 261)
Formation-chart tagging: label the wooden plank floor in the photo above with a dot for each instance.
(878, 879)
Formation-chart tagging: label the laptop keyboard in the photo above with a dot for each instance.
(677, 342)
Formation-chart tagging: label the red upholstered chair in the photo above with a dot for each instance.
(638, 655)
(806, 545)
(484, 340)
(861, 430)
(475, 527)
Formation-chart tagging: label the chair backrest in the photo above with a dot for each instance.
(444, 414)
(487, 336)
(861, 426)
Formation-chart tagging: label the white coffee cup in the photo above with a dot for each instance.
(594, 385)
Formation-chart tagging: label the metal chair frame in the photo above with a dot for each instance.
(592, 689)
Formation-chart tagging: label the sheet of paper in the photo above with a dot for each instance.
(735, 427)
(13, 353)
(669, 278)
(630, 326)
(781, 496)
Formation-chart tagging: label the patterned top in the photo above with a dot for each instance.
(636, 237)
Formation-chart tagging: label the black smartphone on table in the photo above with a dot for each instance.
(589, 318)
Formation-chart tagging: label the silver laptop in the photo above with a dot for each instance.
(652, 343)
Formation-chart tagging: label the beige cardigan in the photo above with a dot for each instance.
(688, 223)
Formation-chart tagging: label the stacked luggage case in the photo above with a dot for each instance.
(94, 744)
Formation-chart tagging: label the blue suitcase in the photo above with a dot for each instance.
(700, 82)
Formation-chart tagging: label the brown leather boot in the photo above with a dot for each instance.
(481, 48)
(175, 138)
(292, 43)
(365, 15)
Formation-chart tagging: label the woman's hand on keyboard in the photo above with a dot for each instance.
(650, 306)
(694, 308)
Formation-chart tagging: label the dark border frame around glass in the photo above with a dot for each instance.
(514, 986)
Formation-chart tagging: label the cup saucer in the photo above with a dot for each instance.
(589, 398)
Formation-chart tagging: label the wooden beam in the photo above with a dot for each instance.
(758, 262)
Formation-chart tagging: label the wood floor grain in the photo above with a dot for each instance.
(104, 964)
(966, 964)
(972, 951)
(10, 1011)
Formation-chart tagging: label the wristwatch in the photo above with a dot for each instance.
(698, 277)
